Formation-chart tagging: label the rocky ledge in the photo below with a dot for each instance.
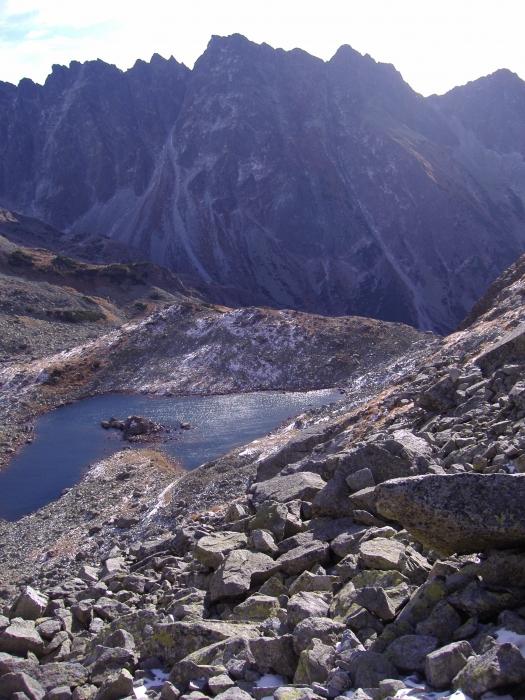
(378, 552)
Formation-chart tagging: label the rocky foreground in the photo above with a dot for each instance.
(368, 551)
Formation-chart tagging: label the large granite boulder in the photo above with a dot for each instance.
(30, 604)
(240, 570)
(462, 513)
(499, 667)
(211, 550)
(20, 637)
(303, 486)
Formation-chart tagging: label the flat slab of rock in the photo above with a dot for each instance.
(211, 550)
(462, 513)
(303, 486)
(382, 553)
(508, 349)
(240, 570)
(174, 640)
(302, 558)
(20, 637)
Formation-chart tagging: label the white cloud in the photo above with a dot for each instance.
(435, 44)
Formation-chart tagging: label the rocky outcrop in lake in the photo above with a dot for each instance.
(364, 544)
(134, 428)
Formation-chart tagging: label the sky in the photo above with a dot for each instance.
(435, 44)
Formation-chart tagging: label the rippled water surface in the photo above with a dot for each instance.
(70, 439)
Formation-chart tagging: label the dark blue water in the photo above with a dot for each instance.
(70, 439)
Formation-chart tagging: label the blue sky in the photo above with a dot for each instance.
(436, 44)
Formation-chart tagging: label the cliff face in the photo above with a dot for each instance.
(329, 187)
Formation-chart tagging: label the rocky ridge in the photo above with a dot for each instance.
(194, 348)
(274, 178)
(370, 550)
(52, 302)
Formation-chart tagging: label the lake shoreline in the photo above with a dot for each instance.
(70, 438)
(30, 416)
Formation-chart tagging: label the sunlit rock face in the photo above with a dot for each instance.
(324, 186)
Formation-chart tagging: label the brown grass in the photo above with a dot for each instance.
(161, 460)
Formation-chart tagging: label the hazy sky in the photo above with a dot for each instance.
(436, 44)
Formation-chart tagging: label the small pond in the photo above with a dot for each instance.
(70, 439)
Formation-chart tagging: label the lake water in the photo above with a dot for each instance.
(69, 439)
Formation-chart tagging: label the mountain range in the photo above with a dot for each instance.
(274, 178)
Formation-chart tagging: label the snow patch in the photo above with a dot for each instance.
(270, 680)
(159, 677)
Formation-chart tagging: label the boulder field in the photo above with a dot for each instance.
(380, 554)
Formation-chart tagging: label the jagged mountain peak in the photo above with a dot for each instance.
(329, 187)
(492, 107)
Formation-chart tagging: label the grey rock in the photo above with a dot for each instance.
(64, 673)
(364, 501)
(337, 682)
(303, 486)
(510, 348)
(107, 661)
(361, 479)
(499, 568)
(85, 692)
(256, 607)
(30, 604)
(442, 665)
(274, 586)
(211, 550)
(19, 682)
(304, 605)
(88, 573)
(62, 692)
(169, 691)
(120, 638)
(239, 572)
(112, 566)
(499, 667)
(323, 628)
(389, 687)
(118, 685)
(367, 668)
(20, 637)
(348, 542)
(234, 694)
(269, 654)
(409, 651)
(218, 684)
(314, 663)
(382, 553)
(333, 500)
(441, 623)
(271, 516)
(313, 583)
(477, 600)
(12, 664)
(383, 602)
(460, 513)
(172, 641)
(295, 693)
(263, 541)
(49, 628)
(301, 558)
